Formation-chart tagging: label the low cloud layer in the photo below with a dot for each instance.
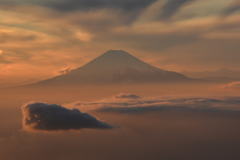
(41, 116)
(233, 85)
(142, 105)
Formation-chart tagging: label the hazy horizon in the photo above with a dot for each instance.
(224, 76)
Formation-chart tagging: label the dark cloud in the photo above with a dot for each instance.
(94, 4)
(41, 116)
(232, 9)
(127, 96)
(69, 5)
(171, 7)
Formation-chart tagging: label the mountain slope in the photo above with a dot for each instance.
(116, 66)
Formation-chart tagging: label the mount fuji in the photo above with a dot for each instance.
(113, 67)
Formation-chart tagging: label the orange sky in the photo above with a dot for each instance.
(40, 38)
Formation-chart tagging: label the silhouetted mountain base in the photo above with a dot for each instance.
(116, 67)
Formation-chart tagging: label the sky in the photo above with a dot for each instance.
(43, 38)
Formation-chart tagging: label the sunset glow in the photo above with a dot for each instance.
(189, 35)
(119, 79)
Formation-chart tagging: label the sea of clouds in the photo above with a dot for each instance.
(50, 117)
(130, 103)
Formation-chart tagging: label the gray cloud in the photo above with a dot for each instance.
(171, 7)
(235, 7)
(127, 96)
(93, 4)
(231, 10)
(41, 116)
(69, 5)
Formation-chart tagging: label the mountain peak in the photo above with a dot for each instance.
(117, 53)
(115, 58)
(116, 66)
(112, 51)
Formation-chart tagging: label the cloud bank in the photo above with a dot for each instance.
(233, 85)
(42, 116)
(144, 105)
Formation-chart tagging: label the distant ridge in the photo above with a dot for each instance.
(113, 67)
